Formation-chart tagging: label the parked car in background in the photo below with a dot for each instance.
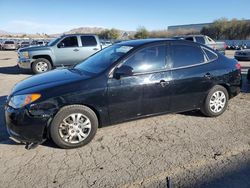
(66, 50)
(202, 39)
(24, 44)
(242, 55)
(41, 43)
(125, 81)
(9, 45)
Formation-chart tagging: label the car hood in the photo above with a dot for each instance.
(50, 79)
(34, 48)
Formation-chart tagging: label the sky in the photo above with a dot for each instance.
(58, 16)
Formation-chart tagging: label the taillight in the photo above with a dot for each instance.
(225, 46)
(238, 66)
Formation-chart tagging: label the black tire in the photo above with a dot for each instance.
(63, 113)
(34, 68)
(206, 110)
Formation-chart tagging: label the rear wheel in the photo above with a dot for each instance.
(73, 126)
(216, 102)
(41, 65)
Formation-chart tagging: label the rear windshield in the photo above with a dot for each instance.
(25, 42)
(9, 42)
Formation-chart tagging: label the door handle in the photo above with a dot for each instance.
(164, 83)
(75, 50)
(208, 75)
(95, 49)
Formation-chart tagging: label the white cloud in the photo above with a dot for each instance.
(23, 26)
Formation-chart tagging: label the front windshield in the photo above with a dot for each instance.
(103, 59)
(54, 41)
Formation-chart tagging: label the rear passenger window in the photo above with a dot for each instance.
(210, 55)
(88, 41)
(185, 55)
(200, 40)
(148, 59)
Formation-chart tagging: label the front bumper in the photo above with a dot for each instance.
(24, 127)
(24, 63)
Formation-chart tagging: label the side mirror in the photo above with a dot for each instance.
(123, 71)
(60, 45)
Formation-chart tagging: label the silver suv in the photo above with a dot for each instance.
(66, 50)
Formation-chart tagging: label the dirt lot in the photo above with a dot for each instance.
(194, 151)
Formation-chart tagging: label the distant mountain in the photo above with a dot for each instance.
(86, 30)
(97, 30)
(2, 32)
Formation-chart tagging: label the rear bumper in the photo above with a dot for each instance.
(9, 48)
(242, 58)
(24, 127)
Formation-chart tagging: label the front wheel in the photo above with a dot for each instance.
(41, 65)
(73, 126)
(216, 101)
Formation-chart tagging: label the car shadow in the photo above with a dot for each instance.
(245, 84)
(14, 70)
(194, 113)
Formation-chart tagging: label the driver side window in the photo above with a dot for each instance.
(68, 42)
(148, 59)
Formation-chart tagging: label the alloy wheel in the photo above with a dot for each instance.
(42, 67)
(217, 101)
(75, 128)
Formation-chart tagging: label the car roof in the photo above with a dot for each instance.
(82, 34)
(197, 35)
(141, 42)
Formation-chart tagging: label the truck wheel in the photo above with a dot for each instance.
(216, 102)
(73, 126)
(41, 65)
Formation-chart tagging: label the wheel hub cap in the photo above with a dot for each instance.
(41, 66)
(217, 102)
(75, 128)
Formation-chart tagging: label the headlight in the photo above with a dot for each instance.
(19, 101)
(26, 55)
(23, 55)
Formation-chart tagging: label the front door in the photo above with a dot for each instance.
(144, 92)
(124, 98)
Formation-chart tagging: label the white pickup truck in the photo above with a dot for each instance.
(203, 39)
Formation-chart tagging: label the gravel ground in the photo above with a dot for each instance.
(194, 151)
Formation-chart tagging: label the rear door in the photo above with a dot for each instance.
(89, 46)
(191, 72)
(67, 51)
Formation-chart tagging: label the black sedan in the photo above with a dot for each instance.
(126, 81)
(242, 55)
